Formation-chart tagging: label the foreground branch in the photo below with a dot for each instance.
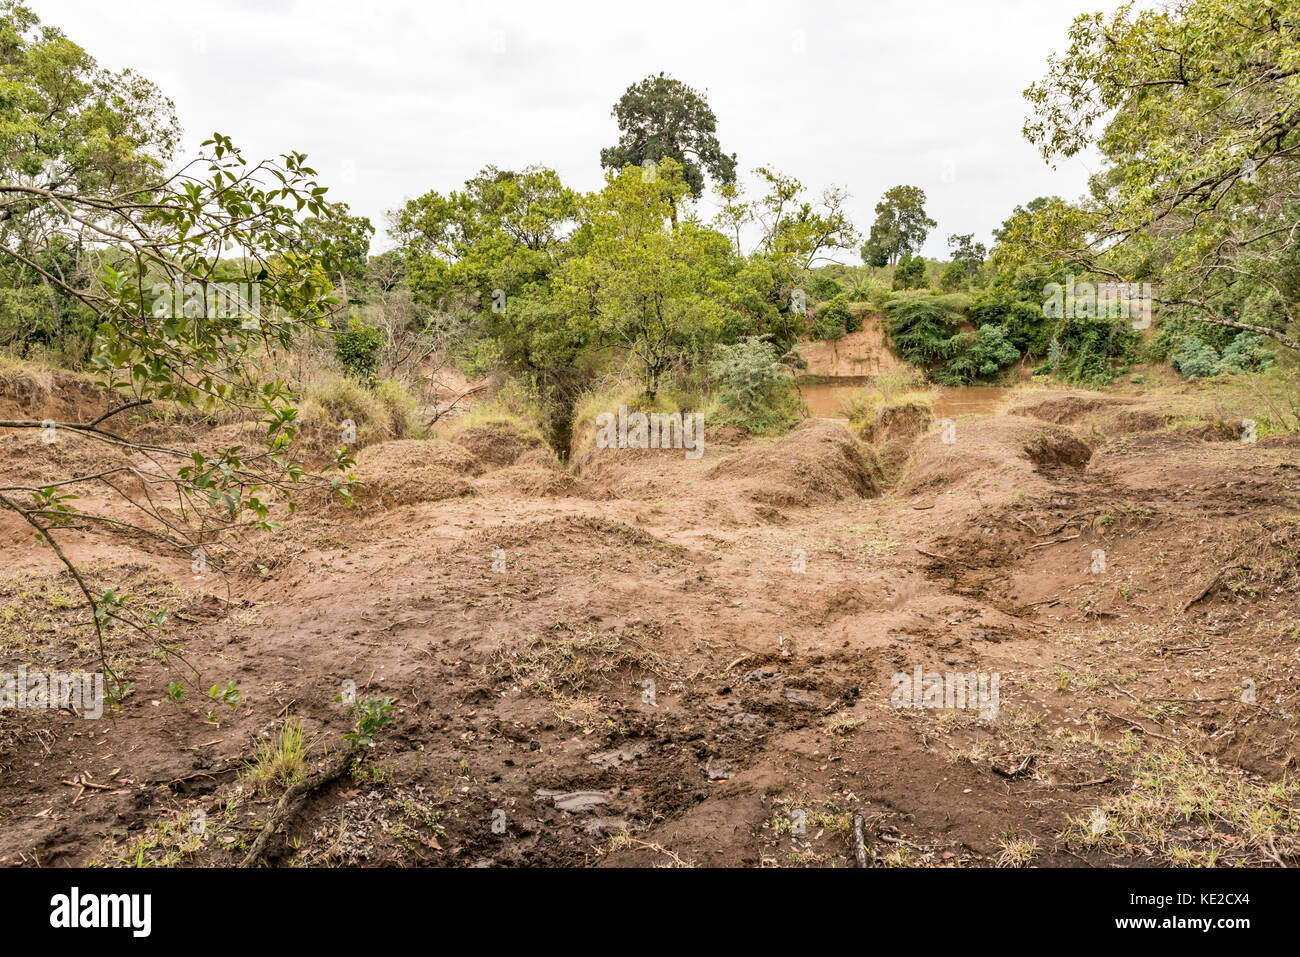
(289, 801)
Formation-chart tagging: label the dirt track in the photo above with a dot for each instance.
(769, 595)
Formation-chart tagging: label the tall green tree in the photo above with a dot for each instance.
(1195, 107)
(503, 231)
(341, 243)
(662, 118)
(647, 288)
(66, 124)
(966, 251)
(901, 226)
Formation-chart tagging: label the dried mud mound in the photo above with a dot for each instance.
(1003, 453)
(29, 460)
(894, 431)
(1063, 408)
(568, 531)
(636, 472)
(35, 456)
(1057, 448)
(35, 394)
(818, 462)
(408, 471)
(498, 444)
(1216, 431)
(535, 474)
(1170, 462)
(1108, 414)
(1134, 420)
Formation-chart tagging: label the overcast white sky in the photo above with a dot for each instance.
(390, 99)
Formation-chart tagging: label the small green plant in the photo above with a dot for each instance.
(176, 691)
(372, 714)
(119, 690)
(1055, 354)
(229, 696)
(283, 758)
(842, 725)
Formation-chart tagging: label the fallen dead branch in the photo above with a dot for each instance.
(945, 558)
(1055, 541)
(1211, 585)
(1013, 772)
(860, 842)
(1064, 524)
(290, 799)
(1080, 785)
(1134, 724)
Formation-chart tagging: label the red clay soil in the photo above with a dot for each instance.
(682, 661)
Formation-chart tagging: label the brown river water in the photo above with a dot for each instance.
(823, 398)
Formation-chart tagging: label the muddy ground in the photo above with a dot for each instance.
(650, 660)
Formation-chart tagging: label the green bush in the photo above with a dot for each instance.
(910, 273)
(921, 328)
(357, 350)
(1019, 310)
(977, 356)
(1246, 353)
(1197, 359)
(754, 385)
(822, 287)
(834, 319)
(1194, 358)
(1089, 349)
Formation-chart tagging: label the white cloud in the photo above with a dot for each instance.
(392, 99)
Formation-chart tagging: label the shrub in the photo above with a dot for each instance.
(834, 319)
(1090, 348)
(1055, 354)
(920, 328)
(1194, 358)
(1017, 309)
(357, 350)
(822, 287)
(978, 355)
(910, 273)
(1246, 353)
(1197, 359)
(754, 385)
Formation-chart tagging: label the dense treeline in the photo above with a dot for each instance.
(646, 278)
